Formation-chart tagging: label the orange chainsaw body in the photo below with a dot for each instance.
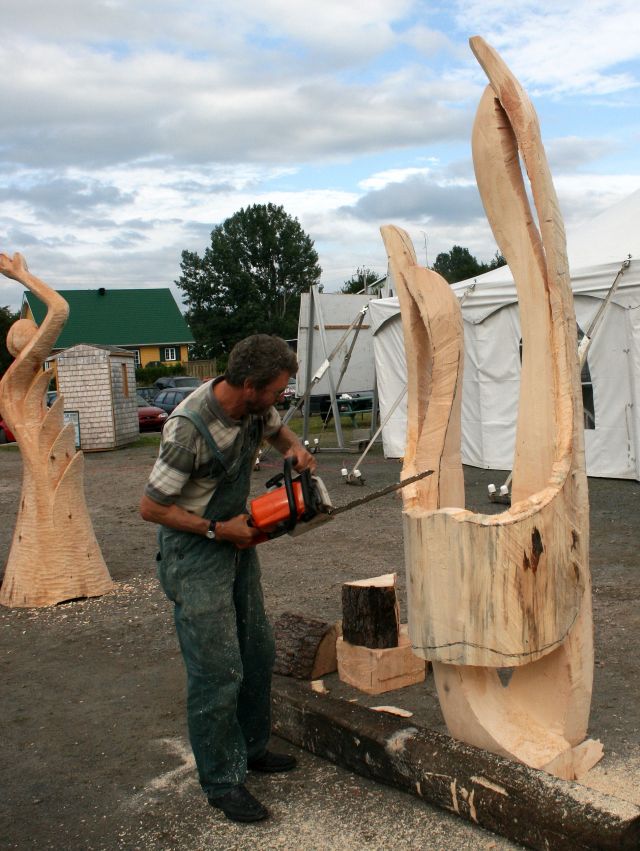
(272, 508)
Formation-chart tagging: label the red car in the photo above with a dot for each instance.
(5, 435)
(150, 418)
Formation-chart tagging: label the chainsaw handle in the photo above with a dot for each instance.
(288, 486)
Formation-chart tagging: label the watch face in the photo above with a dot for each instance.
(211, 534)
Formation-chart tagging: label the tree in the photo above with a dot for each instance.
(360, 280)
(249, 280)
(498, 261)
(459, 264)
(7, 318)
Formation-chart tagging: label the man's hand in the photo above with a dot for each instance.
(303, 459)
(288, 444)
(237, 531)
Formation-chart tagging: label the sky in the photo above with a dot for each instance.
(131, 128)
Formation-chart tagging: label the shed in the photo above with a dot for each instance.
(98, 384)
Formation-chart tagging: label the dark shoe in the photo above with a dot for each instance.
(239, 805)
(272, 762)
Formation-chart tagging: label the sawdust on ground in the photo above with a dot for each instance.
(95, 752)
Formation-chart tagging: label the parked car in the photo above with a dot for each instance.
(148, 393)
(349, 404)
(289, 395)
(6, 436)
(176, 381)
(51, 397)
(171, 397)
(150, 417)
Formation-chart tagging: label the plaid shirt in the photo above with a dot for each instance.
(180, 475)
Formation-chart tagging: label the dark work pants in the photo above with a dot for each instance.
(228, 649)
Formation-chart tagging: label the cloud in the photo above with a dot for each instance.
(420, 199)
(55, 197)
(560, 46)
(569, 153)
(131, 129)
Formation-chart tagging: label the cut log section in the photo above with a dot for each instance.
(378, 671)
(305, 647)
(370, 612)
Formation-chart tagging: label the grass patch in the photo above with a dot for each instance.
(152, 439)
(317, 426)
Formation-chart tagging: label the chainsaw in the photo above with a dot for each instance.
(296, 505)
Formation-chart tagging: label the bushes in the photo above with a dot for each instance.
(145, 376)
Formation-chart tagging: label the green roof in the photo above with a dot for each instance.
(143, 317)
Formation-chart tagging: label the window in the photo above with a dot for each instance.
(125, 380)
(136, 355)
(169, 353)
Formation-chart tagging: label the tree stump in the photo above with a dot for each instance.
(305, 647)
(370, 613)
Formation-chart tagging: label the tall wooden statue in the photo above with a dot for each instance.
(501, 604)
(54, 555)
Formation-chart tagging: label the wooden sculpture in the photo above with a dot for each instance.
(501, 604)
(54, 554)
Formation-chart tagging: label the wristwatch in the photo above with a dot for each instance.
(211, 531)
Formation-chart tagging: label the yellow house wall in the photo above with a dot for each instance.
(148, 354)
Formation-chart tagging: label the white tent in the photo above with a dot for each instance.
(611, 384)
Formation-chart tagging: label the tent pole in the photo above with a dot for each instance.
(355, 476)
(583, 350)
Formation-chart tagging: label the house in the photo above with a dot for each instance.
(147, 322)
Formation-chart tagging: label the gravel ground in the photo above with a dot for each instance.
(95, 753)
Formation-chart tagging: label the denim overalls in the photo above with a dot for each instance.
(225, 638)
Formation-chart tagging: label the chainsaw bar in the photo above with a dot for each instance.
(333, 511)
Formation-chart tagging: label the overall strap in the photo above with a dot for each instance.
(199, 423)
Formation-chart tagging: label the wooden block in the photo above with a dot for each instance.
(370, 612)
(376, 671)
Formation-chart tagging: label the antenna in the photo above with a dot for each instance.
(426, 247)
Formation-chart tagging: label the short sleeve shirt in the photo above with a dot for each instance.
(180, 475)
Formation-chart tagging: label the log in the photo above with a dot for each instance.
(305, 647)
(525, 805)
(370, 612)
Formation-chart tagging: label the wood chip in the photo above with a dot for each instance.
(393, 710)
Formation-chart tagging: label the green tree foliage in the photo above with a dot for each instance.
(360, 280)
(459, 264)
(7, 318)
(249, 280)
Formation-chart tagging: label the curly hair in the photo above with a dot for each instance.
(260, 358)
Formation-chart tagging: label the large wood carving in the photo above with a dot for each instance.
(501, 604)
(54, 554)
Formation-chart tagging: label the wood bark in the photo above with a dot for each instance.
(305, 647)
(525, 805)
(370, 612)
(509, 590)
(54, 554)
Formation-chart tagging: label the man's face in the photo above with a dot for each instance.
(259, 401)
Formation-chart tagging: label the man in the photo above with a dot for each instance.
(208, 566)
